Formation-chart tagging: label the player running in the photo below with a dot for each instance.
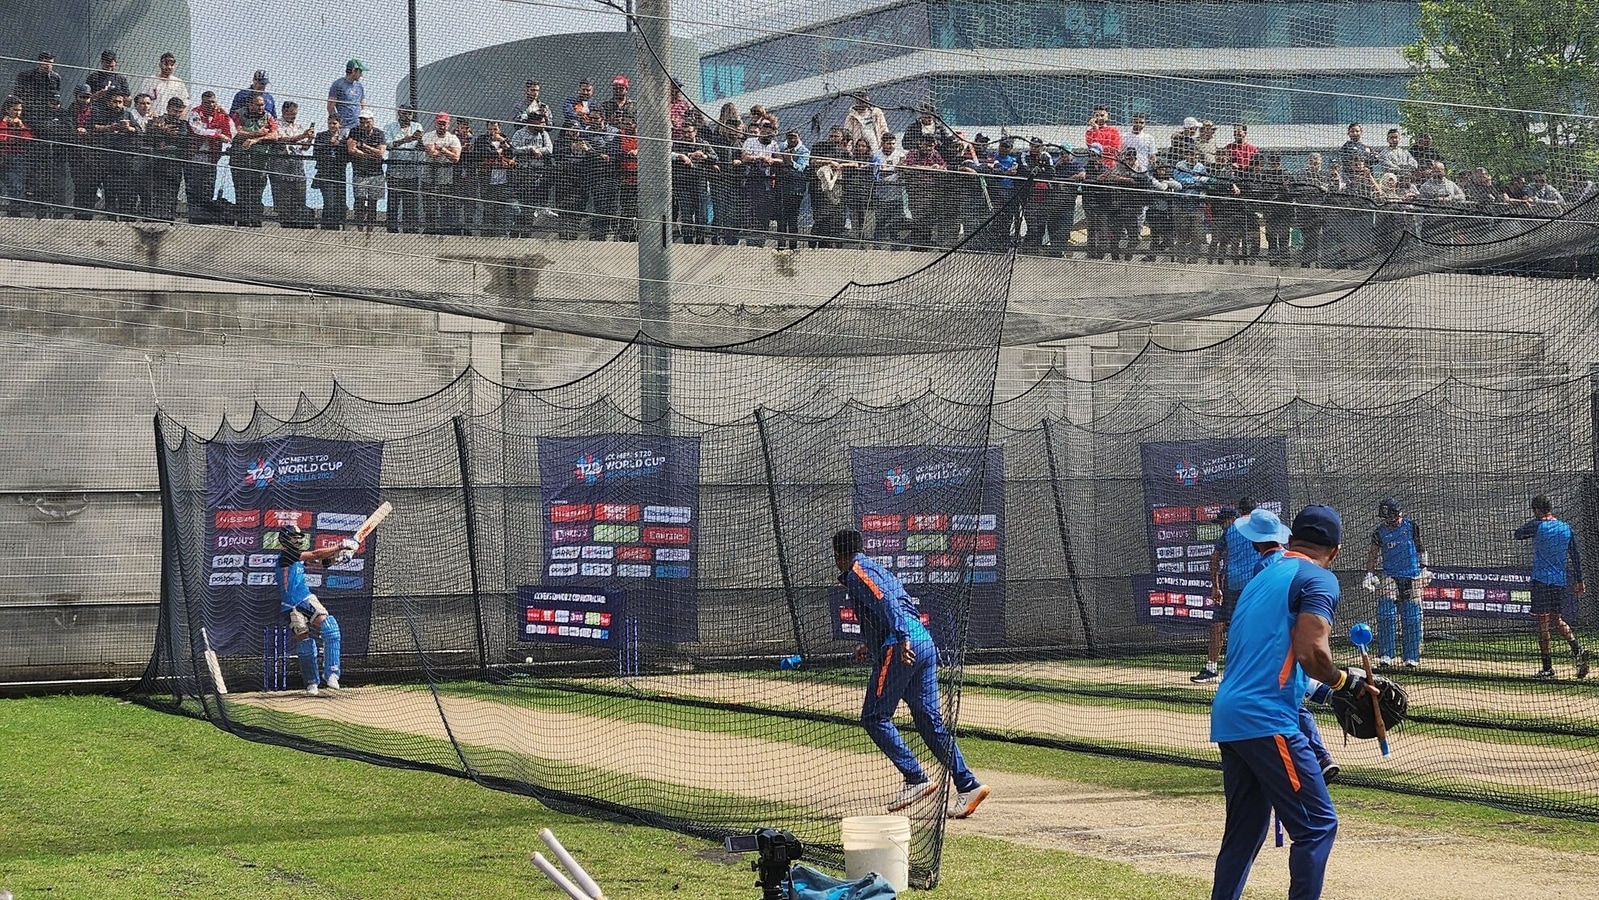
(904, 667)
(1553, 547)
(1279, 637)
(308, 618)
(1404, 561)
(1232, 564)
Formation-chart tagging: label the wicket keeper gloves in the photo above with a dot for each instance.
(1370, 582)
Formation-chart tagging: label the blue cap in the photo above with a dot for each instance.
(1262, 526)
(1320, 525)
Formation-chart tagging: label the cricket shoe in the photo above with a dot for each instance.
(1206, 674)
(1584, 656)
(1412, 663)
(966, 802)
(333, 682)
(1329, 772)
(311, 690)
(1545, 675)
(911, 793)
(1384, 662)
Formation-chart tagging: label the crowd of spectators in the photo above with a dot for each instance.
(572, 171)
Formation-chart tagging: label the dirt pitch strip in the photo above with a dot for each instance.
(1153, 833)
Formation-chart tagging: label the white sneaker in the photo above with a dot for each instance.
(310, 690)
(911, 793)
(1383, 662)
(967, 802)
(333, 682)
(1412, 663)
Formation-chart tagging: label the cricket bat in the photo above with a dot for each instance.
(212, 663)
(373, 521)
(1376, 707)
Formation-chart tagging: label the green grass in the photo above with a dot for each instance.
(110, 801)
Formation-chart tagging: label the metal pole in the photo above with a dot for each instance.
(410, 10)
(655, 210)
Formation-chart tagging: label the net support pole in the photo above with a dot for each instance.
(464, 456)
(777, 534)
(1072, 574)
(655, 211)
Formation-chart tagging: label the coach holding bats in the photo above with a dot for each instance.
(1279, 635)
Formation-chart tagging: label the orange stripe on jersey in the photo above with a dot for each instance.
(860, 572)
(1288, 761)
(1288, 669)
(882, 674)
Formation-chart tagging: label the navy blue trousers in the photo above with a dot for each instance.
(1262, 774)
(916, 684)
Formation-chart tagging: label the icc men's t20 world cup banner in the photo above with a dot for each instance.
(935, 517)
(621, 516)
(1186, 483)
(254, 488)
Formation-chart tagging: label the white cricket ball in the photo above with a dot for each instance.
(529, 660)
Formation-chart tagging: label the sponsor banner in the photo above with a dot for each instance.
(936, 605)
(1477, 593)
(550, 614)
(613, 504)
(253, 488)
(1173, 599)
(934, 516)
(1186, 484)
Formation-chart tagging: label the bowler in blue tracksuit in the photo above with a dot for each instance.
(306, 616)
(904, 667)
(1279, 636)
(1556, 562)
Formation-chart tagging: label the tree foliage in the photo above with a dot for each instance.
(1510, 85)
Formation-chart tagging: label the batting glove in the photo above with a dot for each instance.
(1370, 582)
(350, 544)
(344, 555)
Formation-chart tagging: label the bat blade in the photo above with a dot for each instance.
(214, 664)
(373, 521)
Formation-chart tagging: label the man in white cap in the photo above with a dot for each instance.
(1184, 138)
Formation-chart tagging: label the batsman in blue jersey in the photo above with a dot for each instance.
(1279, 641)
(1232, 564)
(1397, 541)
(904, 667)
(307, 617)
(1556, 562)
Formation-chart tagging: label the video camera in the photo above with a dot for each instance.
(778, 851)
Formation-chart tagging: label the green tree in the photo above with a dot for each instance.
(1510, 85)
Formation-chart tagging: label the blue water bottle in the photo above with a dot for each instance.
(788, 663)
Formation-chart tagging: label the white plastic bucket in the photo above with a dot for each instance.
(880, 844)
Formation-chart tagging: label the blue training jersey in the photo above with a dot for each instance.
(1242, 560)
(1553, 545)
(291, 582)
(884, 610)
(1398, 543)
(1261, 693)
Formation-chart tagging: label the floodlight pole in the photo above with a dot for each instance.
(654, 209)
(410, 22)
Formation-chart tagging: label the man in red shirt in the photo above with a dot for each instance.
(210, 128)
(1241, 151)
(14, 138)
(1101, 132)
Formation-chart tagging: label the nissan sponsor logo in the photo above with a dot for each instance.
(238, 518)
(224, 579)
(240, 540)
(330, 521)
(669, 515)
(228, 561)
